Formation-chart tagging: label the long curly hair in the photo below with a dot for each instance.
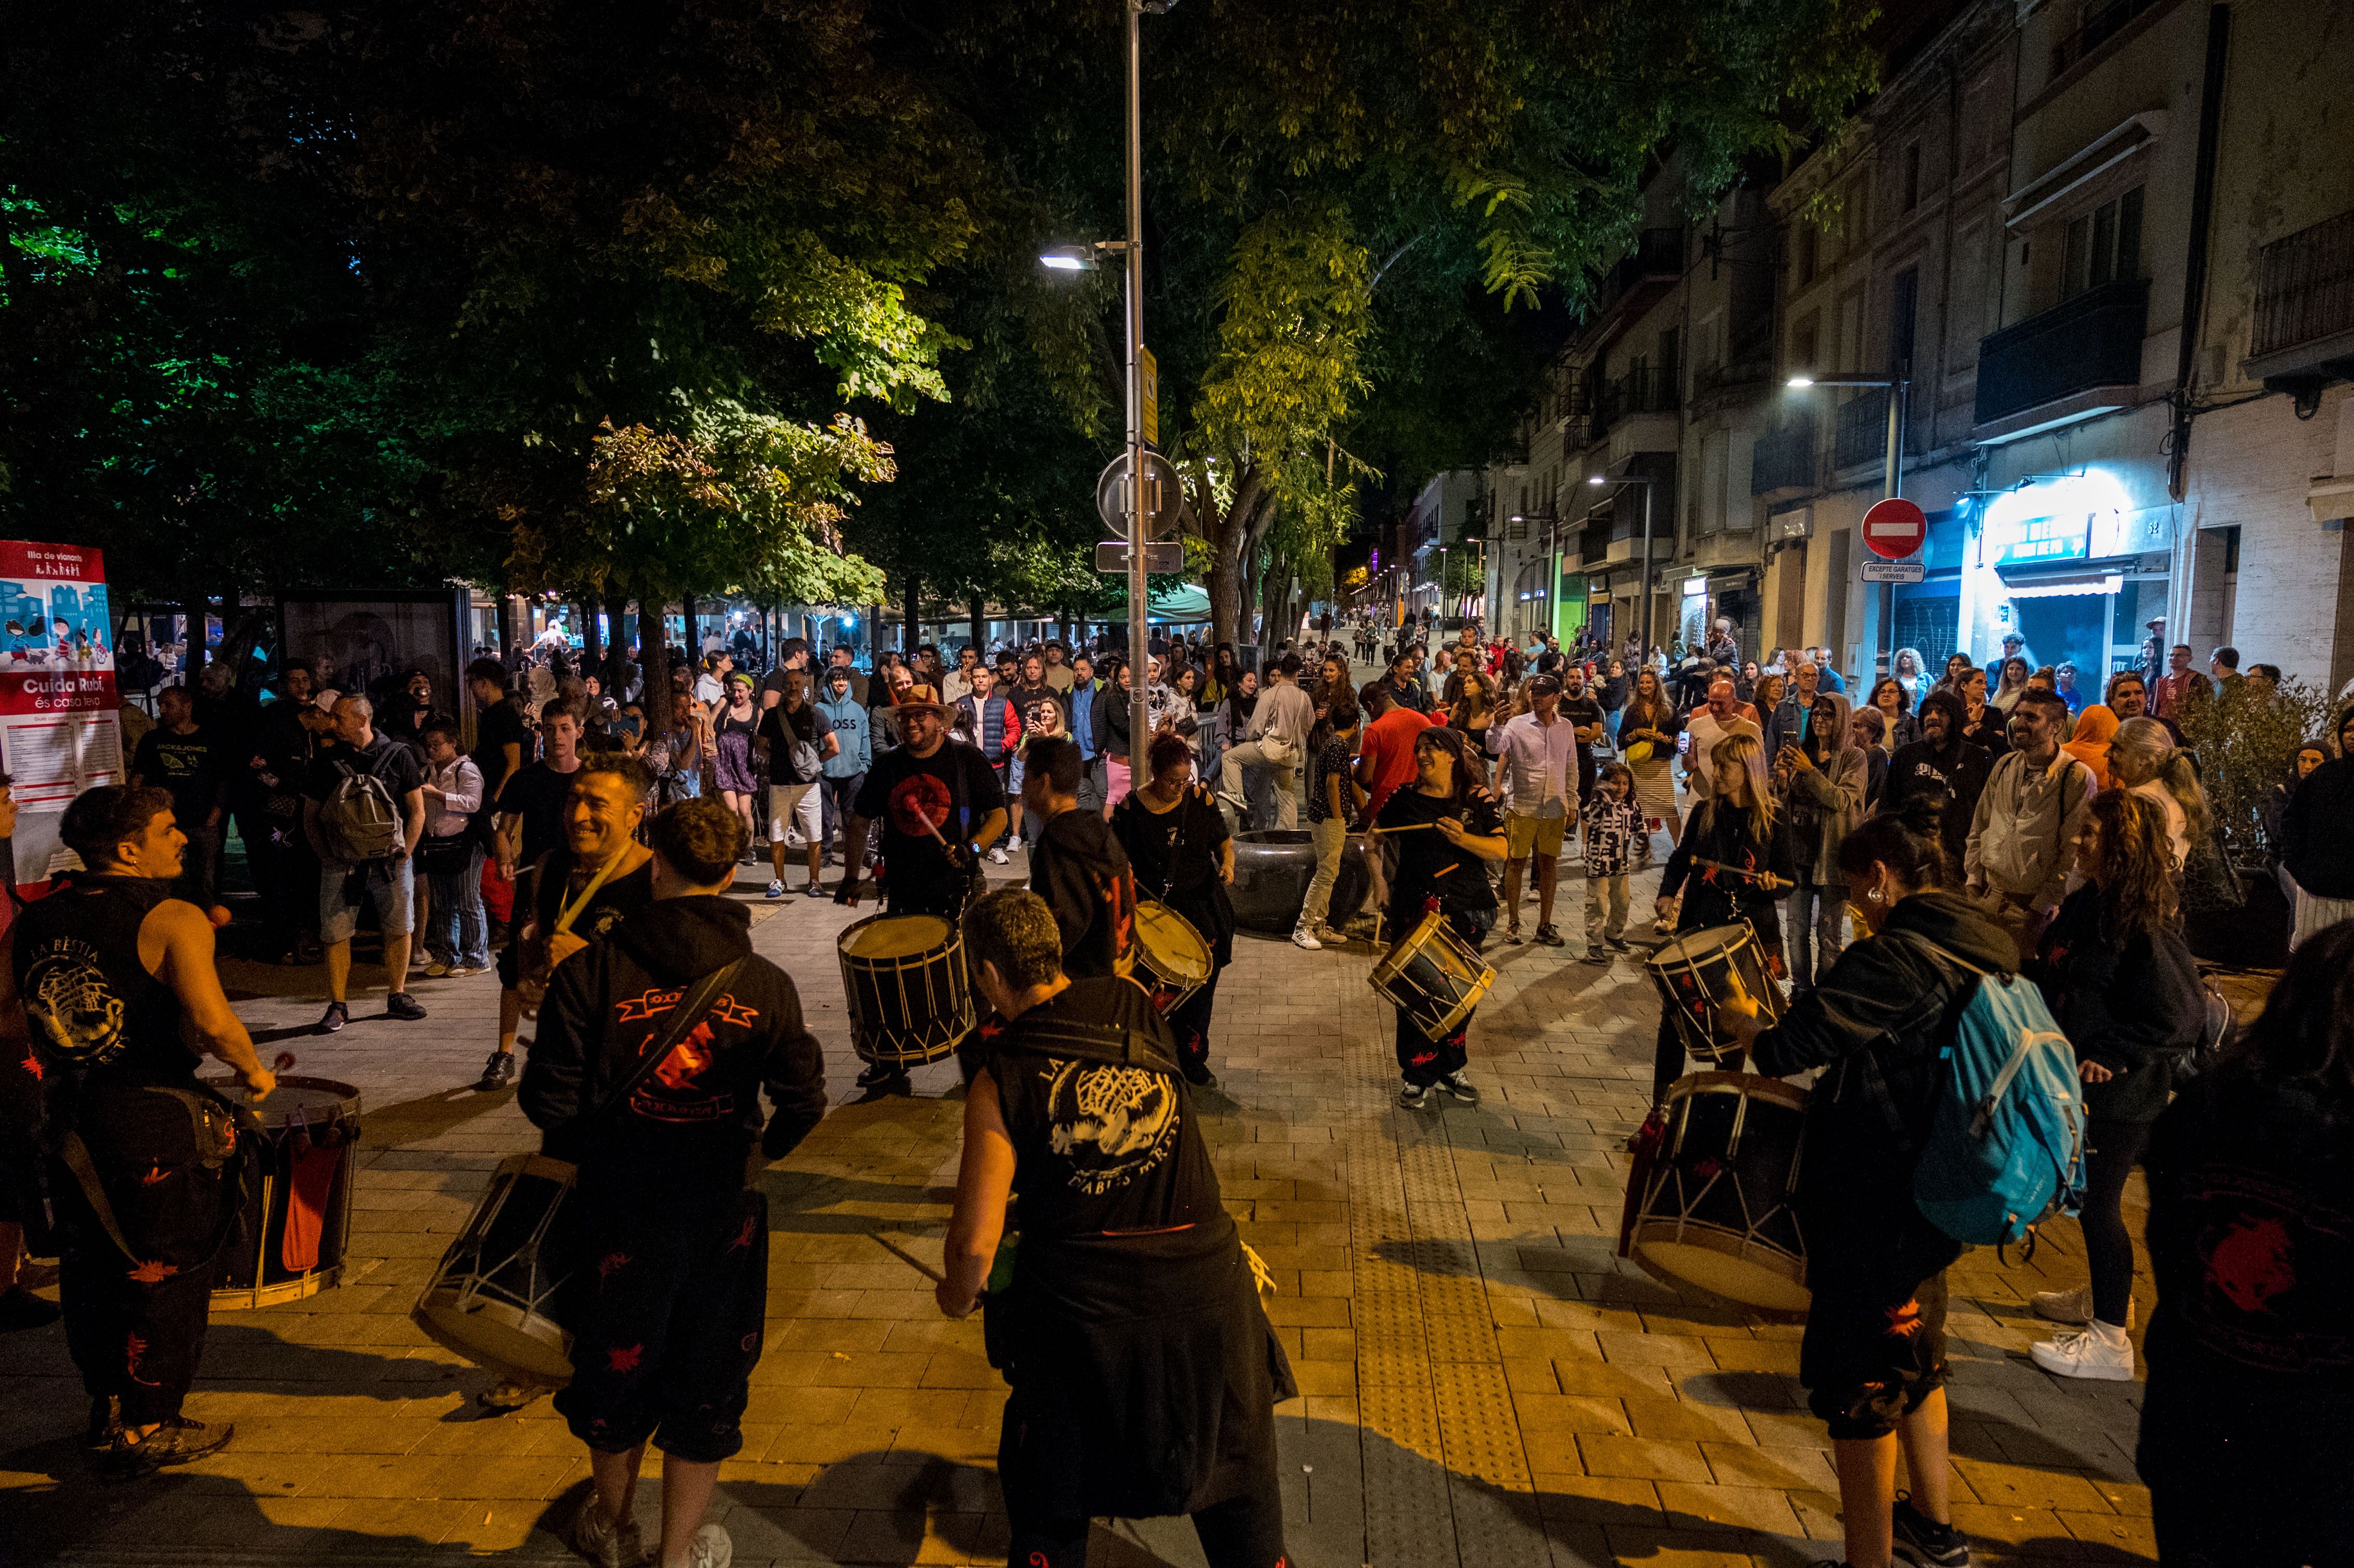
(2144, 744)
(2133, 865)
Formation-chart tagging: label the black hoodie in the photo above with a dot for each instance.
(691, 1123)
(1081, 872)
(1876, 1023)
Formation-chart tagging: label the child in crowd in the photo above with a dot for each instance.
(1614, 824)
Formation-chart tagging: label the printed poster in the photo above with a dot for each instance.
(61, 727)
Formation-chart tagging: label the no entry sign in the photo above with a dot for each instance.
(1894, 528)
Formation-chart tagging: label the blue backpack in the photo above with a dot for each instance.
(2007, 1139)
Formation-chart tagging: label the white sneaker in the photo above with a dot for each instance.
(605, 1544)
(1461, 1087)
(436, 970)
(997, 855)
(710, 1548)
(776, 890)
(2089, 1352)
(1302, 937)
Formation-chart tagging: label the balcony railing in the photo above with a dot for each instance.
(1644, 390)
(1862, 432)
(1658, 253)
(2101, 23)
(2093, 340)
(2305, 286)
(1783, 458)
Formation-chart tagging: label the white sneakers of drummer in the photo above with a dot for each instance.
(2096, 1351)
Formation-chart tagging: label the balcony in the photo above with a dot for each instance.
(2088, 348)
(2304, 337)
(1782, 463)
(1633, 286)
(1642, 390)
(1862, 435)
(2101, 23)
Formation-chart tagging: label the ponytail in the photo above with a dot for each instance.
(1908, 842)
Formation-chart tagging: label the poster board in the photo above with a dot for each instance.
(61, 721)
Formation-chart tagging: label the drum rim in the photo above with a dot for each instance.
(1756, 1085)
(346, 1095)
(842, 938)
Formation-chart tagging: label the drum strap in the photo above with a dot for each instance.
(1109, 1044)
(693, 1003)
(74, 1154)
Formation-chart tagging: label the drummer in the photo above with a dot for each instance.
(1732, 863)
(1077, 866)
(941, 806)
(111, 987)
(1183, 853)
(1447, 829)
(1873, 1356)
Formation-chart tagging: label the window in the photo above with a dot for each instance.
(2103, 246)
(1810, 247)
(1903, 311)
(1805, 340)
(1912, 176)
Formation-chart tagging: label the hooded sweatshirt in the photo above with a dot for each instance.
(689, 1125)
(1081, 872)
(1875, 1022)
(1826, 800)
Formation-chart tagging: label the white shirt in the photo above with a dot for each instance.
(1540, 764)
(2178, 826)
(1285, 710)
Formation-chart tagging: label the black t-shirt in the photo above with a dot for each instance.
(903, 793)
(1176, 855)
(1427, 865)
(781, 730)
(189, 765)
(537, 795)
(501, 724)
(1099, 1147)
(1332, 761)
(554, 886)
(1582, 713)
(383, 758)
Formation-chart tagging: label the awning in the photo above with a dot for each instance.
(1189, 603)
(2027, 583)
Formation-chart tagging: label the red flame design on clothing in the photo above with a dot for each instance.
(1905, 1321)
(687, 1059)
(625, 1357)
(152, 1273)
(2252, 1264)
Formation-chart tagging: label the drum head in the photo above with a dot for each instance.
(896, 936)
(1697, 945)
(320, 1099)
(1177, 948)
(1720, 1267)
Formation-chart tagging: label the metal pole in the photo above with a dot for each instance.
(1898, 393)
(1649, 486)
(1140, 738)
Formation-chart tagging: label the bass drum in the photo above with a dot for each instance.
(1173, 962)
(1434, 977)
(904, 978)
(494, 1298)
(1709, 1199)
(296, 1218)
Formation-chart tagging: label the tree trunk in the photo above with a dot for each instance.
(617, 646)
(913, 633)
(654, 654)
(980, 625)
(1226, 534)
(592, 643)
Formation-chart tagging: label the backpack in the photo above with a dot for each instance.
(2007, 1138)
(359, 819)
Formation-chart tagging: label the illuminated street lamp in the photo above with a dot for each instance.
(1648, 484)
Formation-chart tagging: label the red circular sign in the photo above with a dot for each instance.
(1894, 528)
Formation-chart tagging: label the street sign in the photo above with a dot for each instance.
(1894, 528)
(1111, 555)
(1148, 376)
(1165, 495)
(1893, 571)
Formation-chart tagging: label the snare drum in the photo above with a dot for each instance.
(910, 999)
(492, 1297)
(1173, 962)
(1708, 1200)
(1434, 976)
(288, 1239)
(1697, 973)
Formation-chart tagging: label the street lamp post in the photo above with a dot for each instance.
(1648, 483)
(1900, 397)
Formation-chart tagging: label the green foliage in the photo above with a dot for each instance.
(2246, 737)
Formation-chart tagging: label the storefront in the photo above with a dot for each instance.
(2067, 563)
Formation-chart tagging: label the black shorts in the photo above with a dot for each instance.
(666, 1320)
(1874, 1347)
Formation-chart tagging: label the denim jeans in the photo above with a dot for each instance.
(1816, 922)
(456, 933)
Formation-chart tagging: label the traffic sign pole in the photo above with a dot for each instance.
(1139, 734)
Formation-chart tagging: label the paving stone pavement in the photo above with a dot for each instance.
(1482, 1381)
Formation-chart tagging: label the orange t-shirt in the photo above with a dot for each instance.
(1389, 742)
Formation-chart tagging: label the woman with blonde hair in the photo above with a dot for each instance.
(2144, 758)
(2096, 728)
(1732, 863)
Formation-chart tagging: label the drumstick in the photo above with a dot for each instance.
(934, 1275)
(1736, 871)
(1408, 828)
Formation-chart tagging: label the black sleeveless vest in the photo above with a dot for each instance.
(88, 1000)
